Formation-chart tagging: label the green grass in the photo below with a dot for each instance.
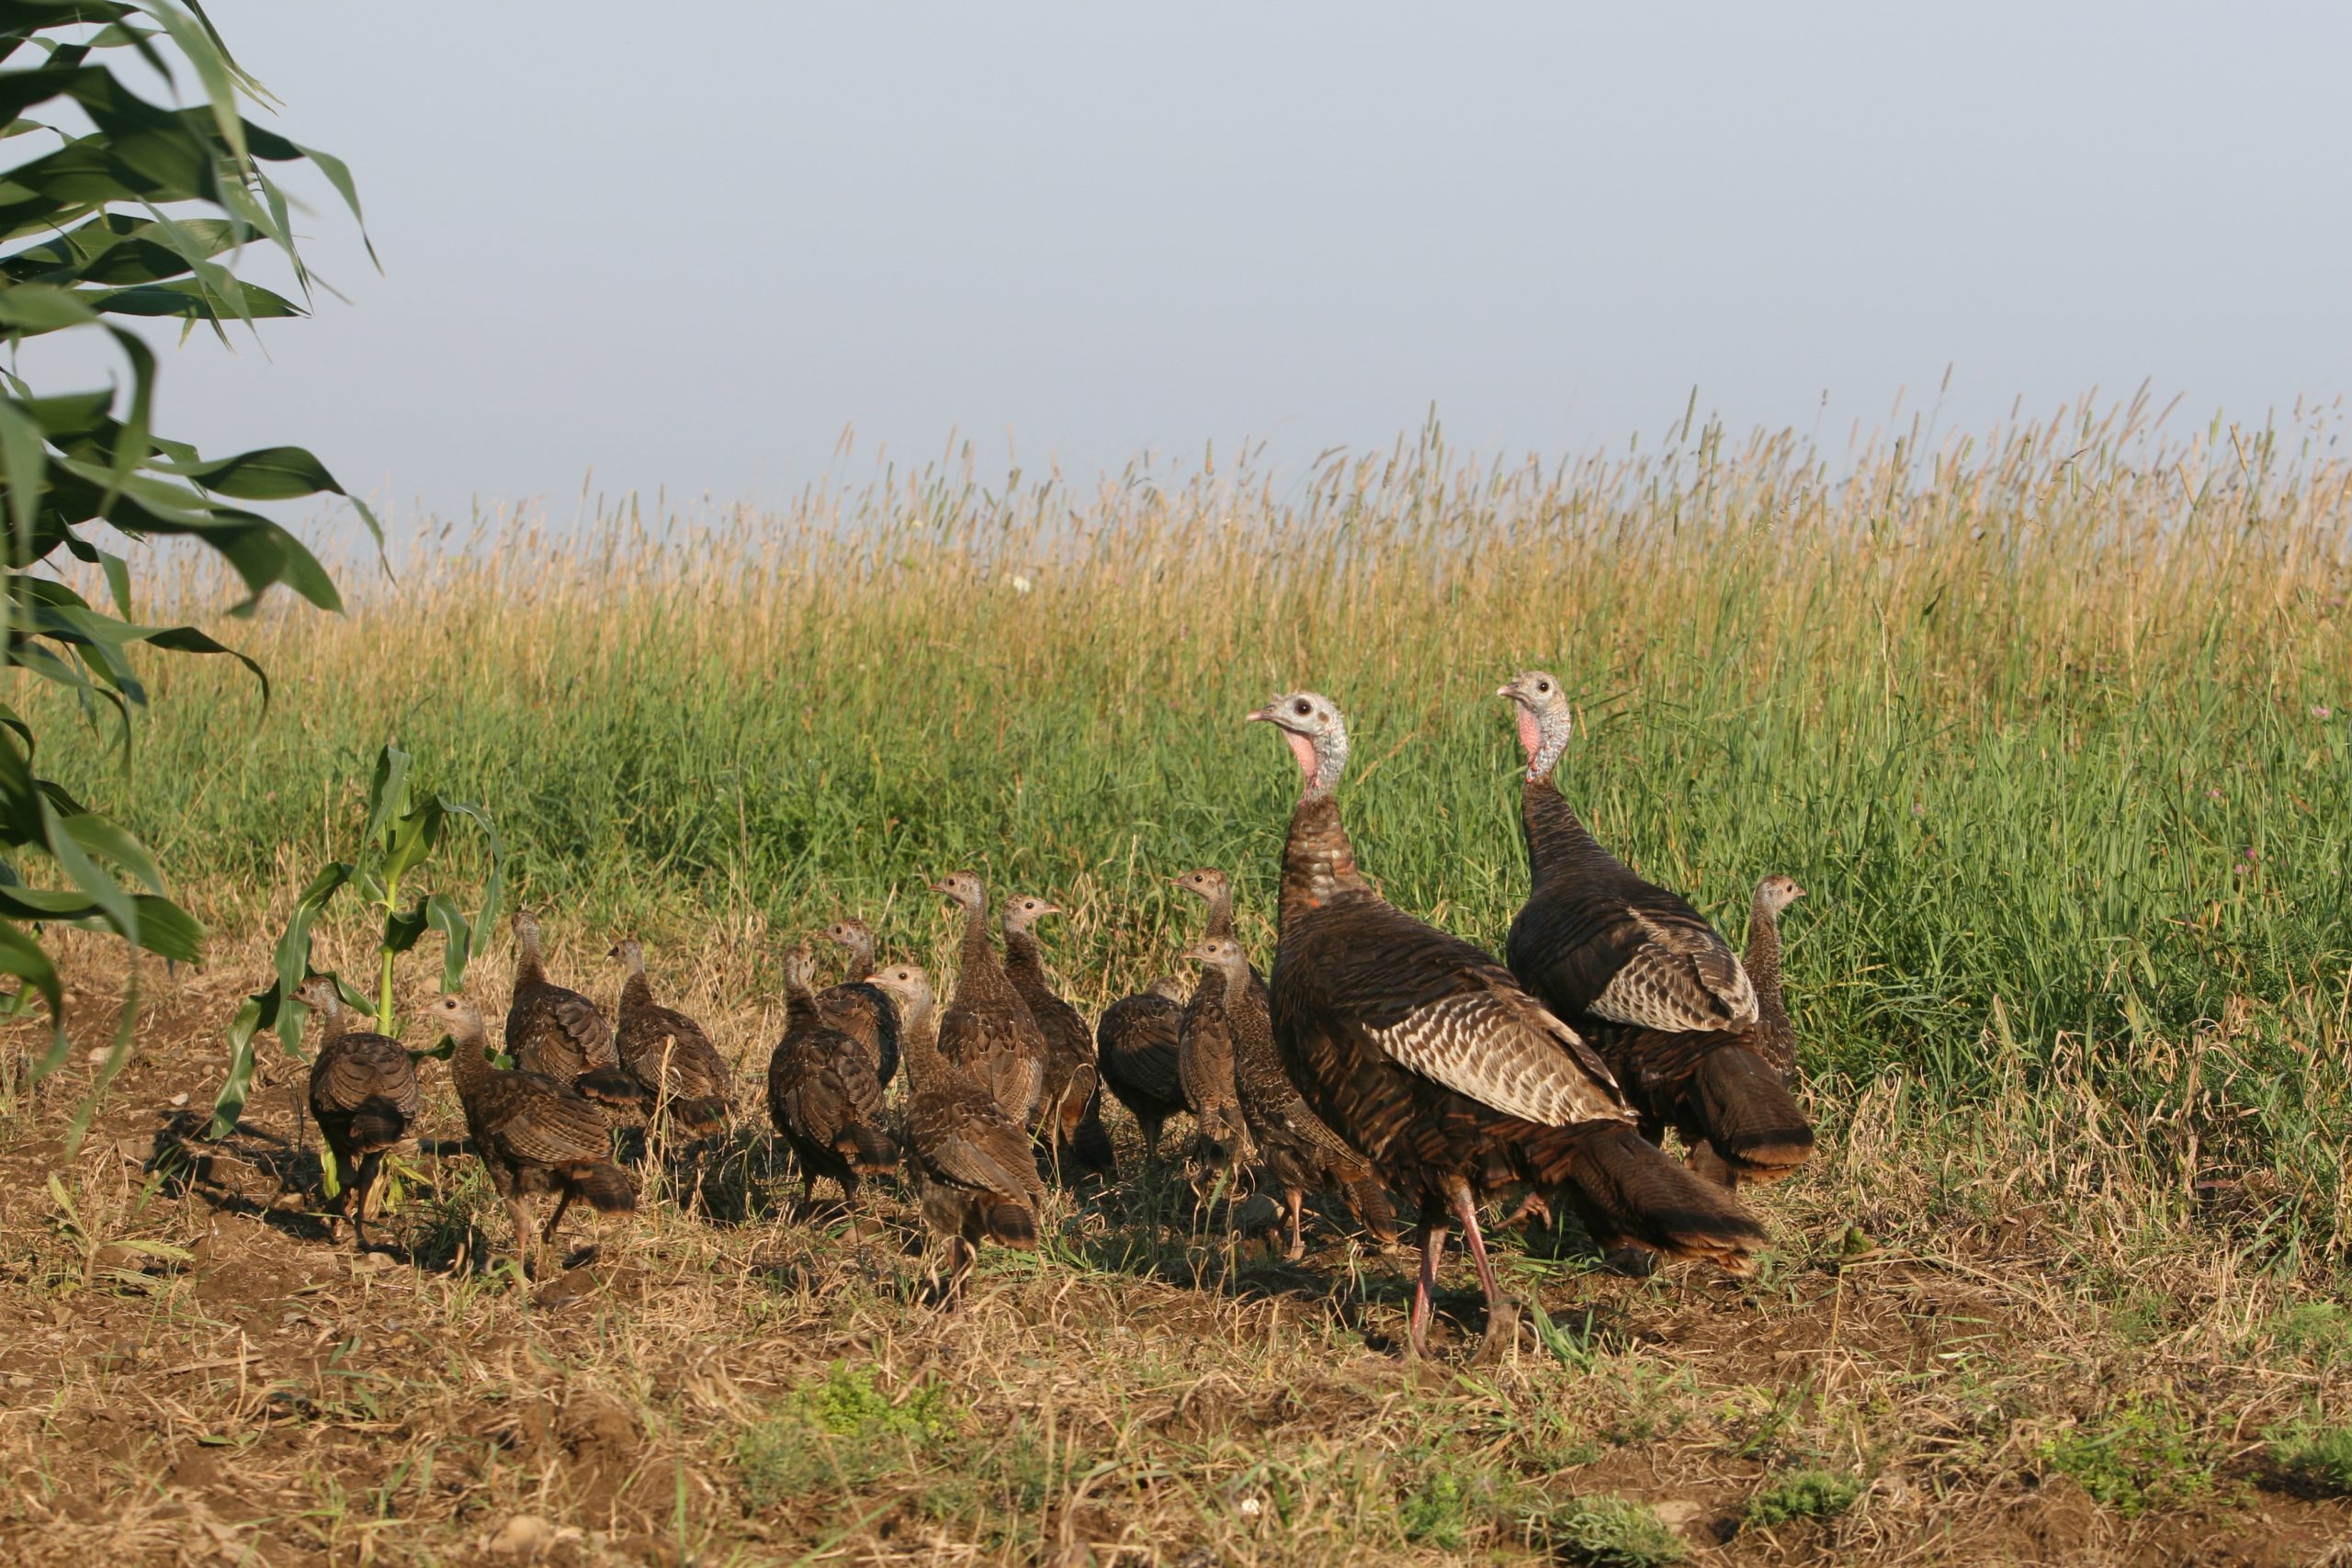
(2056, 727)
(2141, 1454)
(1804, 1494)
(2316, 1455)
(1608, 1532)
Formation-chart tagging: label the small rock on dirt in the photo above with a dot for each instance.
(523, 1538)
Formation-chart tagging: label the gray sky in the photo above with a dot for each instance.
(687, 246)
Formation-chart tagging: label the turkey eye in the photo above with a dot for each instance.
(1301, 710)
(1543, 685)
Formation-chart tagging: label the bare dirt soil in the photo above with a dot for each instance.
(1967, 1369)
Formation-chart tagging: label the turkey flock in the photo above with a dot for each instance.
(1387, 1062)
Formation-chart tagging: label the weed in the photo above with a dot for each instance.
(2316, 1456)
(2138, 1455)
(1606, 1530)
(1803, 1494)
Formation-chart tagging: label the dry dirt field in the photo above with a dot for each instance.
(1954, 1356)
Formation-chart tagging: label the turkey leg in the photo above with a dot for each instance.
(1502, 1312)
(1432, 1243)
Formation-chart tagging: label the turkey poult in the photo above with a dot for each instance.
(987, 1029)
(1643, 976)
(667, 1052)
(1205, 1065)
(822, 1094)
(1138, 1039)
(1299, 1151)
(970, 1164)
(1425, 1054)
(1776, 1038)
(534, 1135)
(1071, 1109)
(858, 1008)
(558, 1034)
(364, 1095)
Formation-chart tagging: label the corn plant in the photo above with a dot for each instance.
(140, 215)
(404, 826)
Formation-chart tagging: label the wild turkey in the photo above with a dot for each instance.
(1643, 976)
(534, 1135)
(1776, 1038)
(558, 1034)
(364, 1096)
(1425, 1054)
(822, 1094)
(1298, 1149)
(680, 1073)
(1204, 1065)
(989, 1030)
(1136, 1037)
(858, 1008)
(1071, 1115)
(1215, 888)
(970, 1164)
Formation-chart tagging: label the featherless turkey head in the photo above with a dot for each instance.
(1317, 736)
(1776, 893)
(1544, 719)
(965, 888)
(1207, 883)
(1023, 913)
(906, 983)
(799, 967)
(631, 952)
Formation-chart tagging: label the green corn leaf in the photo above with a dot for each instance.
(257, 1012)
(116, 1055)
(402, 928)
(387, 796)
(441, 912)
(494, 889)
(412, 838)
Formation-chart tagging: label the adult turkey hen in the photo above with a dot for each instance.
(534, 1135)
(1070, 1110)
(1642, 977)
(970, 1164)
(1136, 1038)
(858, 1007)
(1299, 1151)
(989, 1030)
(1424, 1053)
(822, 1093)
(364, 1096)
(558, 1034)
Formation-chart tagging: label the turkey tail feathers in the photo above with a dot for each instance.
(1625, 1191)
(1748, 1115)
(604, 1186)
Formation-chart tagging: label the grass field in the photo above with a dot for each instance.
(2055, 725)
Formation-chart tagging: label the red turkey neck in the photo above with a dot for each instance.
(1559, 848)
(1318, 864)
(981, 977)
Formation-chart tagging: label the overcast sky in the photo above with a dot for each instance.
(687, 246)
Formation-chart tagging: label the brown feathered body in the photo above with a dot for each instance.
(1204, 1065)
(1070, 1089)
(1776, 1037)
(678, 1071)
(860, 1009)
(987, 1029)
(365, 1095)
(824, 1098)
(558, 1034)
(1657, 991)
(1298, 1150)
(970, 1163)
(1427, 1056)
(1137, 1040)
(534, 1133)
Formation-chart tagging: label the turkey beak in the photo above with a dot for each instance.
(1505, 692)
(1049, 909)
(1794, 891)
(1264, 714)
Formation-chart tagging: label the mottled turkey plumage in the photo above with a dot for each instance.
(534, 1135)
(858, 1008)
(822, 1093)
(1642, 977)
(987, 1029)
(971, 1165)
(558, 1034)
(1426, 1057)
(1136, 1041)
(1070, 1112)
(364, 1096)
